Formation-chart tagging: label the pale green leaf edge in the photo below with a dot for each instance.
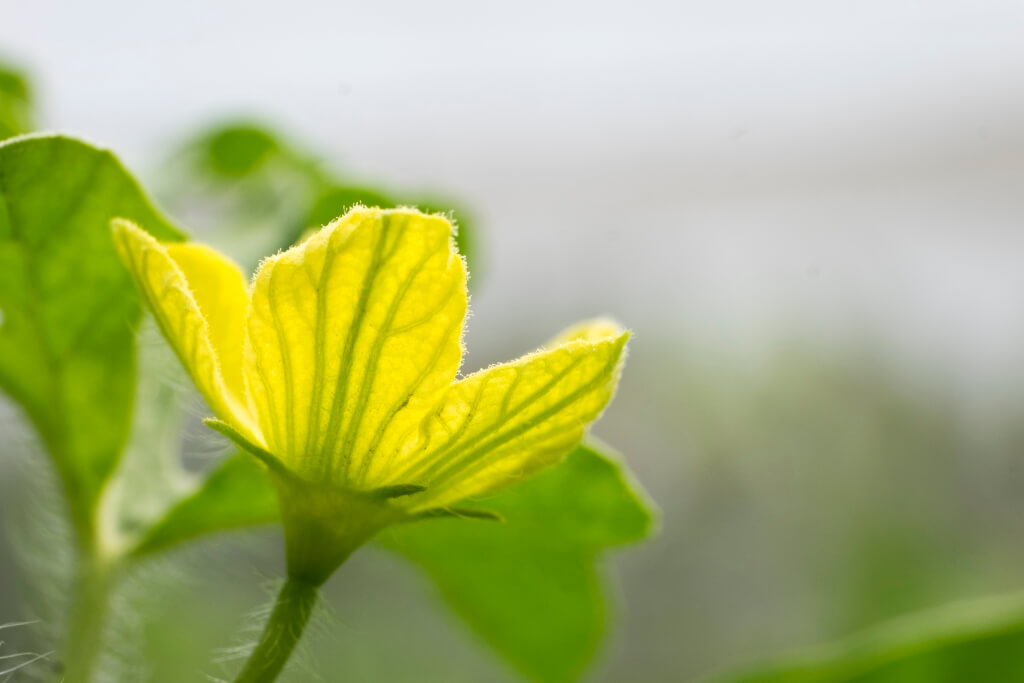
(902, 638)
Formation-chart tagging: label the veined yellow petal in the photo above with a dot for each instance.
(354, 332)
(222, 293)
(496, 426)
(198, 298)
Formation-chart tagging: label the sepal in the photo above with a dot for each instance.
(460, 512)
(397, 491)
(261, 454)
(325, 524)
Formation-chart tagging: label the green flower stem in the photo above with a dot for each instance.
(89, 609)
(291, 613)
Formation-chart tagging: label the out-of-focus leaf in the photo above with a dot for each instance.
(532, 585)
(237, 150)
(335, 201)
(15, 103)
(275, 179)
(236, 494)
(67, 349)
(973, 641)
(149, 476)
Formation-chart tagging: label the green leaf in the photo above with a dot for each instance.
(334, 201)
(237, 150)
(236, 494)
(271, 176)
(532, 585)
(15, 103)
(68, 307)
(981, 640)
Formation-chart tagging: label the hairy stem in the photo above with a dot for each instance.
(291, 613)
(87, 620)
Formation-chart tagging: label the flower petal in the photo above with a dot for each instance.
(356, 329)
(498, 425)
(199, 299)
(222, 293)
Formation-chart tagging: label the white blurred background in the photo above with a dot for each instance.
(713, 168)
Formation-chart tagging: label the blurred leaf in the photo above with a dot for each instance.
(334, 201)
(15, 103)
(236, 494)
(532, 585)
(67, 349)
(973, 641)
(271, 176)
(234, 151)
(149, 477)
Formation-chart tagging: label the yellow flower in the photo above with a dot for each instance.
(338, 368)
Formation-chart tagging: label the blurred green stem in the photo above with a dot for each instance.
(87, 620)
(291, 613)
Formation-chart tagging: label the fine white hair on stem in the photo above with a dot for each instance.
(40, 540)
(228, 658)
(26, 663)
